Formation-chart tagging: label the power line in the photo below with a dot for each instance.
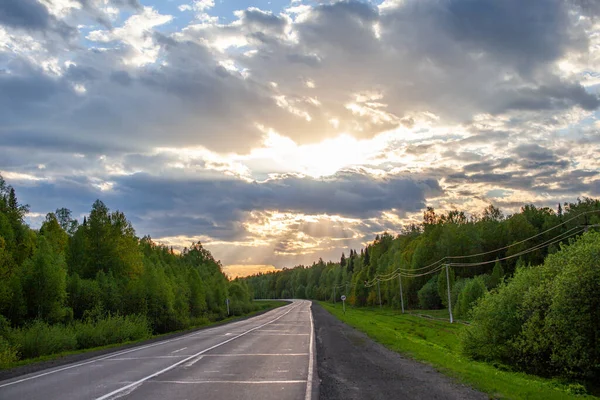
(532, 249)
(400, 269)
(547, 243)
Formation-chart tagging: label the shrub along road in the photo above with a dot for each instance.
(352, 366)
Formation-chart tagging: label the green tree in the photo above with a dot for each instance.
(45, 283)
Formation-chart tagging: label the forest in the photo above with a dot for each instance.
(517, 278)
(73, 285)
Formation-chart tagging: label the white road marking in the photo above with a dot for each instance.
(145, 358)
(281, 334)
(132, 350)
(177, 351)
(162, 371)
(193, 361)
(243, 382)
(256, 354)
(309, 379)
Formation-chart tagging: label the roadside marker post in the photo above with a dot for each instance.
(227, 302)
(344, 303)
(449, 304)
(334, 295)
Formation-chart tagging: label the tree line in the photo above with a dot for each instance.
(69, 273)
(489, 288)
(419, 245)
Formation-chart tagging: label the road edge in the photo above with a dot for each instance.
(79, 357)
(315, 371)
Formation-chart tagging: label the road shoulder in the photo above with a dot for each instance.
(352, 366)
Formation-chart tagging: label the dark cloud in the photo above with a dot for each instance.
(534, 152)
(523, 33)
(218, 205)
(26, 14)
(32, 16)
(262, 20)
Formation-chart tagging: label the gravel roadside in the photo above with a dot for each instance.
(352, 366)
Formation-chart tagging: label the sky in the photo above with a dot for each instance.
(278, 132)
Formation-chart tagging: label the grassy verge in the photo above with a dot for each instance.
(437, 343)
(262, 306)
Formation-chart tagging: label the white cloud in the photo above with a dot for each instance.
(136, 34)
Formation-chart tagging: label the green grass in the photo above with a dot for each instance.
(437, 343)
(262, 306)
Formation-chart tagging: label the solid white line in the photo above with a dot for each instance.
(282, 334)
(309, 379)
(162, 371)
(257, 354)
(244, 382)
(130, 351)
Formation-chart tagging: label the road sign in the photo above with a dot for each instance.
(343, 297)
(344, 302)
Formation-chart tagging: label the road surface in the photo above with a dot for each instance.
(270, 356)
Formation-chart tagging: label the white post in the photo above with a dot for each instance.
(379, 292)
(449, 305)
(401, 297)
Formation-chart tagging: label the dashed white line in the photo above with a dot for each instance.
(193, 361)
(177, 351)
(162, 371)
(122, 352)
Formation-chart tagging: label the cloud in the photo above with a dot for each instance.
(209, 131)
(26, 14)
(34, 17)
(453, 66)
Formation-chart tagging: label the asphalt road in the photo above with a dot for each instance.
(270, 356)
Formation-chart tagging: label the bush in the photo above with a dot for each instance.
(40, 339)
(456, 289)
(496, 321)
(111, 330)
(546, 319)
(472, 291)
(429, 298)
(8, 353)
(572, 322)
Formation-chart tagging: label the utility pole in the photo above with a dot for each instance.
(449, 305)
(401, 297)
(379, 292)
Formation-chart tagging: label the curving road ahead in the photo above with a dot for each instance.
(270, 356)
